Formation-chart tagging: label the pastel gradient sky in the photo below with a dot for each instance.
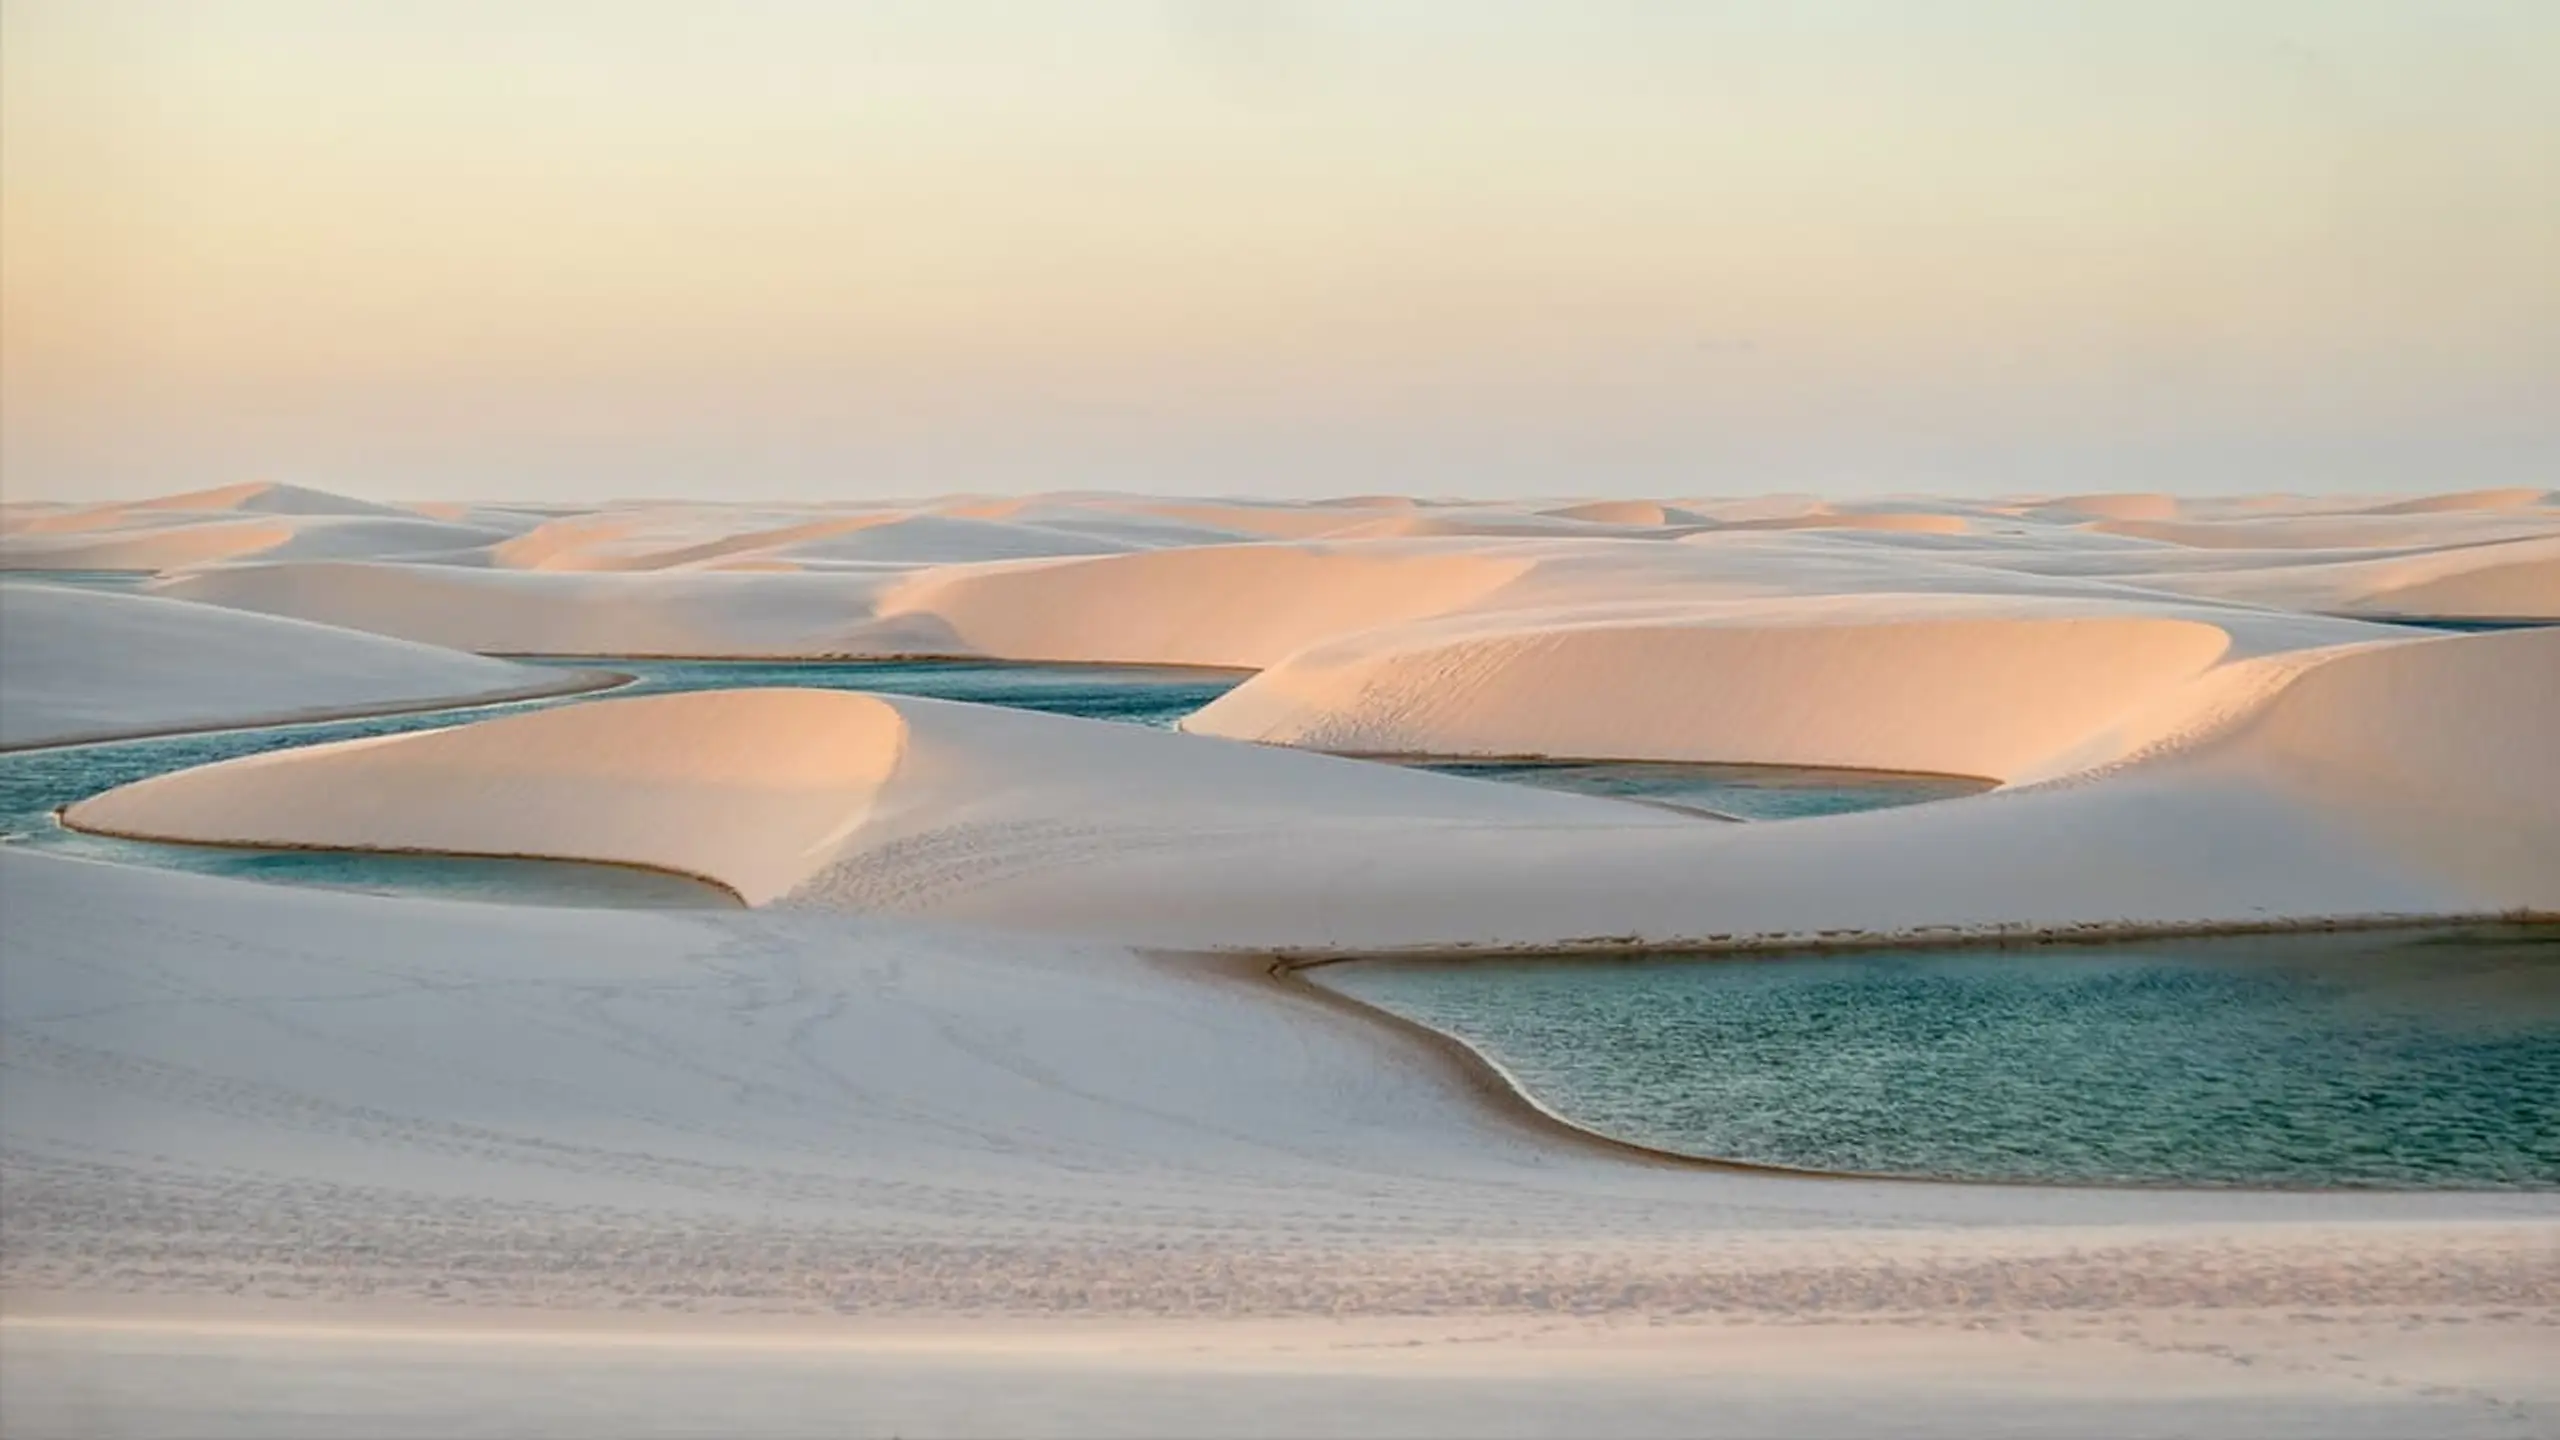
(778, 250)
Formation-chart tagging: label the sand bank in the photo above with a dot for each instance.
(80, 665)
(2408, 779)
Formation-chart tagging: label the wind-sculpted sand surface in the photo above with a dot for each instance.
(2404, 779)
(82, 665)
(742, 787)
(984, 1115)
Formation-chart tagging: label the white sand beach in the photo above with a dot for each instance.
(983, 1113)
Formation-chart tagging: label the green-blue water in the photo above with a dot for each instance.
(82, 579)
(34, 784)
(1140, 694)
(2461, 625)
(2369, 1059)
(1746, 792)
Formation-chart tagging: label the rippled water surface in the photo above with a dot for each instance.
(2393, 1059)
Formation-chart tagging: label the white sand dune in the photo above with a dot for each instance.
(2506, 579)
(2246, 800)
(175, 529)
(2446, 751)
(88, 665)
(2525, 588)
(157, 547)
(259, 497)
(2315, 532)
(1164, 589)
(2119, 505)
(2513, 497)
(263, 522)
(1230, 606)
(923, 1134)
(749, 788)
(707, 612)
(2346, 802)
(1136, 532)
(18, 516)
(945, 539)
(1988, 696)
(1268, 521)
(379, 538)
(1900, 521)
(679, 537)
(252, 498)
(183, 547)
(1619, 512)
(1752, 507)
(1490, 522)
(665, 537)
(759, 790)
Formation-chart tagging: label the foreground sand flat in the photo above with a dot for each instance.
(2178, 1373)
(957, 1129)
(230, 1105)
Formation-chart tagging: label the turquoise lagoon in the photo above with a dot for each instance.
(2399, 1059)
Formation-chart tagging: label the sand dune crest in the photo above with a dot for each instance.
(748, 788)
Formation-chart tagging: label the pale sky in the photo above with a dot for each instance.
(795, 250)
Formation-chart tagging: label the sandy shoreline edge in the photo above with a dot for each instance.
(578, 682)
(1499, 1087)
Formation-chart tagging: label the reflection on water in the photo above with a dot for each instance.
(1745, 792)
(2401, 1059)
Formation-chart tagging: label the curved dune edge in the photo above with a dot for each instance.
(2497, 578)
(2346, 530)
(1887, 521)
(1513, 1098)
(2446, 751)
(1099, 582)
(2386, 783)
(577, 682)
(1231, 606)
(1646, 513)
(2511, 497)
(1503, 1092)
(82, 666)
(2265, 804)
(709, 882)
(2517, 590)
(236, 523)
(746, 789)
(2110, 505)
(1989, 696)
(146, 548)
